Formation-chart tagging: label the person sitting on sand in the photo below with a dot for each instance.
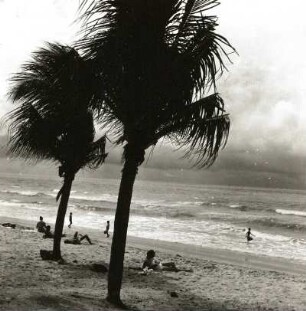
(41, 225)
(48, 234)
(248, 235)
(77, 239)
(151, 263)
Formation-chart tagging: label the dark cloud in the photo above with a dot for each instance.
(233, 168)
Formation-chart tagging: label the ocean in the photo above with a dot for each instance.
(210, 216)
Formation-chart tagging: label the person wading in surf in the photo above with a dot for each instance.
(249, 235)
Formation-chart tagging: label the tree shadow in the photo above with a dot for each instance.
(166, 291)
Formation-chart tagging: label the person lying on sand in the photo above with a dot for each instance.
(150, 263)
(17, 226)
(9, 225)
(41, 225)
(78, 238)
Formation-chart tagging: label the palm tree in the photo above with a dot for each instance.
(53, 120)
(158, 61)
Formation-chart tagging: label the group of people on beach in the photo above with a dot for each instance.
(149, 264)
(42, 227)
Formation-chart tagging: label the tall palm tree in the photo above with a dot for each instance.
(53, 120)
(158, 61)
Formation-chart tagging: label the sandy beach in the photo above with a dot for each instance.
(218, 281)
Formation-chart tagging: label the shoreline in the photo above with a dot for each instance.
(223, 256)
(241, 259)
(211, 280)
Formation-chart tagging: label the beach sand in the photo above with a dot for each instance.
(220, 280)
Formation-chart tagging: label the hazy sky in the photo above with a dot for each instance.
(265, 89)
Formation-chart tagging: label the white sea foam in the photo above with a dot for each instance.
(22, 192)
(6, 203)
(57, 190)
(217, 235)
(161, 211)
(290, 212)
(148, 203)
(192, 231)
(234, 205)
(89, 197)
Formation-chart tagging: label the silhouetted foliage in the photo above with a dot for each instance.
(158, 62)
(53, 120)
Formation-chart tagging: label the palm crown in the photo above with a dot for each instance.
(53, 119)
(159, 61)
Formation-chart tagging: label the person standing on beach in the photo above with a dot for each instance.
(107, 229)
(70, 220)
(248, 235)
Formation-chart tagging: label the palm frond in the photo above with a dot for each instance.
(205, 139)
(97, 155)
(29, 134)
(196, 38)
(97, 17)
(187, 13)
(202, 127)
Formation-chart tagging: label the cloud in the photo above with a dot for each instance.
(263, 112)
(264, 89)
(26, 26)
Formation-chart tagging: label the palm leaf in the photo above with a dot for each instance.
(190, 11)
(201, 127)
(97, 155)
(29, 133)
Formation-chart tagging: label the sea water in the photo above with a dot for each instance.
(210, 216)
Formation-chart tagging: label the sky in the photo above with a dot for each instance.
(264, 89)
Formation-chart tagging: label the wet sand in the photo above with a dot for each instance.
(220, 279)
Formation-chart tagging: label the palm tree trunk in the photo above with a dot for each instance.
(61, 212)
(120, 229)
